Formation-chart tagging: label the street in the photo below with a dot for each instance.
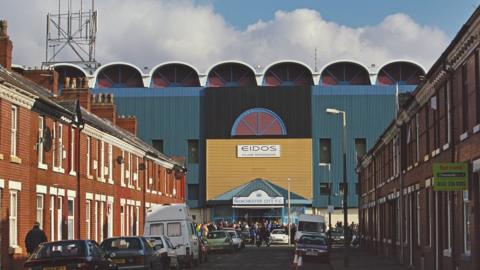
(280, 258)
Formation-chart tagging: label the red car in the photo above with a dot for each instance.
(69, 254)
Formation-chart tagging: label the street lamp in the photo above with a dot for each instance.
(289, 221)
(345, 189)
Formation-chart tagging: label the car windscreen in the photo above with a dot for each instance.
(122, 244)
(232, 234)
(306, 226)
(216, 235)
(60, 249)
(312, 240)
(278, 232)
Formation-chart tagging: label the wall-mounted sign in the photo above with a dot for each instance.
(258, 197)
(450, 176)
(258, 150)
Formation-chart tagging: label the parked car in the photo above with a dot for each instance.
(164, 246)
(174, 221)
(133, 252)
(278, 236)
(220, 240)
(236, 238)
(336, 235)
(71, 254)
(313, 245)
(308, 223)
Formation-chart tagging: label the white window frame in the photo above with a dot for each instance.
(89, 156)
(102, 161)
(71, 219)
(13, 131)
(110, 163)
(127, 220)
(96, 220)
(137, 221)
(130, 183)
(54, 146)
(467, 247)
(418, 218)
(40, 207)
(122, 219)
(59, 217)
(88, 214)
(60, 146)
(136, 173)
(40, 148)
(110, 219)
(72, 152)
(102, 219)
(13, 218)
(52, 217)
(131, 220)
(122, 170)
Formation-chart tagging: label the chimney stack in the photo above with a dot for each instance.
(76, 88)
(6, 46)
(104, 107)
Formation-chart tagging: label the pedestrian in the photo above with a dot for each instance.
(34, 238)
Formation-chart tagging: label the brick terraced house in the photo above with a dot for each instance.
(70, 163)
(403, 213)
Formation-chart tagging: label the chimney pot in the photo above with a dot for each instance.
(67, 82)
(3, 28)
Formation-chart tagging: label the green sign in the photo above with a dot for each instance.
(450, 176)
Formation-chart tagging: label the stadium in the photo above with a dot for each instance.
(248, 133)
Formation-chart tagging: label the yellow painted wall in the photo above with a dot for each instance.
(225, 171)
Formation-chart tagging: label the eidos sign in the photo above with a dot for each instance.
(258, 150)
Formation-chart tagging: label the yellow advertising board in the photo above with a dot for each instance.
(231, 163)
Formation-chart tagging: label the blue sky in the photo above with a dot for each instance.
(203, 33)
(447, 15)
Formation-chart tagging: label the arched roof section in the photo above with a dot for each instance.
(118, 75)
(287, 73)
(231, 73)
(68, 70)
(258, 122)
(344, 72)
(400, 72)
(174, 74)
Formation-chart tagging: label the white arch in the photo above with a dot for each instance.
(95, 75)
(399, 61)
(227, 62)
(150, 73)
(72, 65)
(345, 61)
(285, 61)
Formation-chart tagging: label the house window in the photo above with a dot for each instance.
(52, 217)
(102, 219)
(110, 219)
(13, 134)
(72, 150)
(122, 170)
(102, 161)
(418, 218)
(96, 221)
(89, 155)
(122, 219)
(467, 223)
(129, 175)
(88, 213)
(343, 187)
(40, 210)
(360, 147)
(464, 99)
(110, 163)
(158, 144)
(193, 151)
(449, 221)
(136, 172)
(137, 220)
(60, 145)
(325, 189)
(12, 218)
(193, 193)
(59, 217)
(325, 151)
(71, 218)
(41, 126)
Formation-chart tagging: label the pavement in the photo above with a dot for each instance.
(281, 258)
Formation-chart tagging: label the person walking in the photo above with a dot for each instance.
(34, 238)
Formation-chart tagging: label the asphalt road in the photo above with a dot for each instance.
(254, 258)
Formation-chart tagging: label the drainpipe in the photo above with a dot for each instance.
(401, 187)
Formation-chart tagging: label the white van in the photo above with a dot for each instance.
(309, 224)
(174, 221)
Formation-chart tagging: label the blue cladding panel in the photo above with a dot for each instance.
(171, 114)
(369, 109)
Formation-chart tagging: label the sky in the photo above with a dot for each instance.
(203, 33)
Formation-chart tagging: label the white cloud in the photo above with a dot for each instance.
(149, 32)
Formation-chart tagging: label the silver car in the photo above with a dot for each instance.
(236, 238)
(162, 244)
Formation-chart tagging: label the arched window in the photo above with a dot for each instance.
(258, 122)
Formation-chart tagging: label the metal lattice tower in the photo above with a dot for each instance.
(71, 35)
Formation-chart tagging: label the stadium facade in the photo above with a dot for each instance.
(244, 132)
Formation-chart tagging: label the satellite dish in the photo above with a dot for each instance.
(47, 139)
(120, 160)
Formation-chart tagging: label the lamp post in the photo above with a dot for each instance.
(289, 220)
(345, 189)
(80, 124)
